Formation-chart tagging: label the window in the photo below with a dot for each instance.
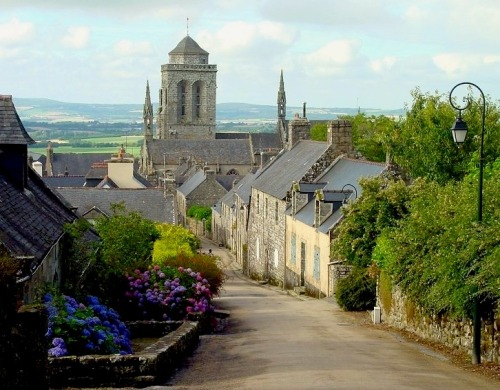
(276, 213)
(293, 249)
(257, 204)
(316, 263)
(197, 100)
(265, 208)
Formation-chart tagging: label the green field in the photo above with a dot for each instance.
(99, 145)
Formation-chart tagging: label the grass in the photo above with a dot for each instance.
(130, 143)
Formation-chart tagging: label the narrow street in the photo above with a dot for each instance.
(278, 341)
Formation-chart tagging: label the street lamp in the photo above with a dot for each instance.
(347, 194)
(459, 131)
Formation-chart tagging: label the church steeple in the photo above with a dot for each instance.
(281, 126)
(281, 98)
(148, 115)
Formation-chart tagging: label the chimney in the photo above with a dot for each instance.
(14, 141)
(339, 136)
(298, 129)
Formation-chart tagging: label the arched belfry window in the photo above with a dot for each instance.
(182, 99)
(197, 90)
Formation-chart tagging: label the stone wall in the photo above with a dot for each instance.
(401, 313)
(23, 349)
(148, 367)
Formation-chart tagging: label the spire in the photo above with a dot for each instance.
(148, 115)
(281, 98)
(187, 26)
(281, 125)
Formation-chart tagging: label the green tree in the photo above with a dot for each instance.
(369, 135)
(318, 132)
(440, 257)
(127, 239)
(383, 202)
(423, 146)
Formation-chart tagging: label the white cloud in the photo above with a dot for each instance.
(16, 31)
(241, 35)
(382, 64)
(333, 58)
(455, 64)
(130, 48)
(76, 37)
(8, 53)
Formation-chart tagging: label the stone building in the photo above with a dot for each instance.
(32, 215)
(186, 123)
(204, 188)
(304, 162)
(315, 210)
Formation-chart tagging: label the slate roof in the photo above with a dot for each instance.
(192, 183)
(243, 190)
(31, 220)
(64, 181)
(75, 163)
(150, 202)
(228, 181)
(188, 46)
(234, 135)
(263, 141)
(12, 130)
(344, 171)
(213, 151)
(278, 175)
(349, 171)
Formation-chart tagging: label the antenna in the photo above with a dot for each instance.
(187, 26)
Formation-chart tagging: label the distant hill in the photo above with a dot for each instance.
(46, 110)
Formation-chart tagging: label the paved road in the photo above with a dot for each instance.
(278, 341)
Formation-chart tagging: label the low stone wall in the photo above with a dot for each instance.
(148, 367)
(401, 313)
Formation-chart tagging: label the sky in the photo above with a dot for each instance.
(333, 53)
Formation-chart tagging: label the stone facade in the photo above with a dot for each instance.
(187, 97)
(401, 313)
(202, 190)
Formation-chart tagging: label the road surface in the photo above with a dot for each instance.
(278, 341)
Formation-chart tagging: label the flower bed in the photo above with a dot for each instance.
(150, 366)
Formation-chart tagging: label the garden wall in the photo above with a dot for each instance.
(148, 367)
(401, 313)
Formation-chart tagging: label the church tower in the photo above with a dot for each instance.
(187, 98)
(281, 125)
(148, 115)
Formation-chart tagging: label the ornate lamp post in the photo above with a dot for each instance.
(346, 193)
(459, 131)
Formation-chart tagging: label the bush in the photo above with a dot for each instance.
(166, 293)
(357, 291)
(78, 329)
(173, 241)
(205, 264)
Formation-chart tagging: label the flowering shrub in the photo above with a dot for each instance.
(79, 329)
(167, 293)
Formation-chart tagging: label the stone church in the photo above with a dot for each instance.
(186, 135)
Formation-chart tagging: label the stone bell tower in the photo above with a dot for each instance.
(187, 97)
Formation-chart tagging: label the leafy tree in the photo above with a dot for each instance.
(356, 292)
(369, 135)
(201, 213)
(318, 132)
(79, 257)
(127, 239)
(382, 203)
(423, 144)
(438, 254)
